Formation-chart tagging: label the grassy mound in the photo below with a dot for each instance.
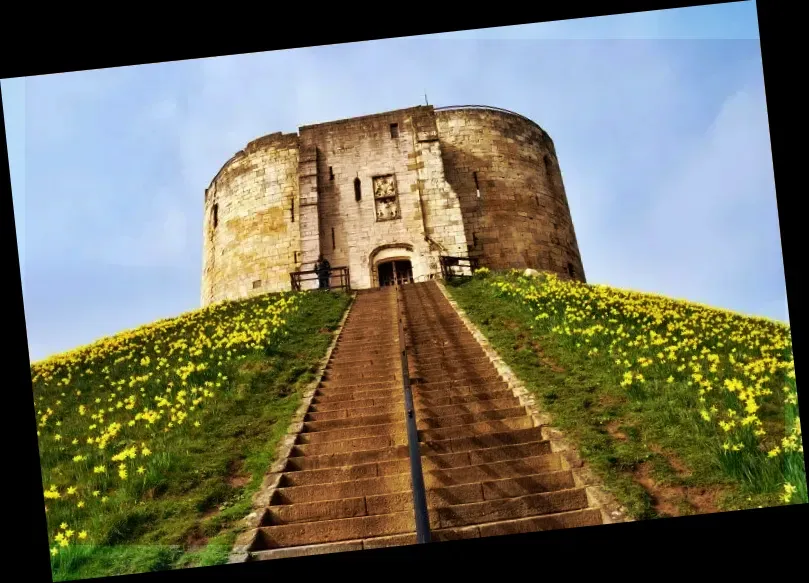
(681, 408)
(153, 441)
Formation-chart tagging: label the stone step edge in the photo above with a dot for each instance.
(437, 510)
(598, 498)
(421, 401)
(422, 443)
(435, 519)
(421, 418)
(461, 532)
(384, 450)
(398, 405)
(424, 457)
(405, 472)
(398, 428)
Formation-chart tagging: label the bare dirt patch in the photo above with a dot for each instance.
(612, 429)
(674, 461)
(195, 540)
(545, 359)
(608, 400)
(255, 366)
(525, 340)
(671, 500)
(210, 512)
(237, 478)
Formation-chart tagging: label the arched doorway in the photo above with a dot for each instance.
(393, 271)
(392, 262)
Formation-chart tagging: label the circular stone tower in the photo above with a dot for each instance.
(251, 238)
(504, 169)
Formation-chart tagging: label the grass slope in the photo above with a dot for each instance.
(153, 441)
(680, 408)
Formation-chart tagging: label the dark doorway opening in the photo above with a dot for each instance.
(391, 272)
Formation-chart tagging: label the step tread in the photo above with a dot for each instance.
(337, 530)
(470, 418)
(475, 429)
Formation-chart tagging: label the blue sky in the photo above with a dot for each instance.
(659, 121)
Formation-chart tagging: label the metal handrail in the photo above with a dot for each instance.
(449, 261)
(343, 272)
(416, 472)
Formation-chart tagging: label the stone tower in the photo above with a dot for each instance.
(406, 186)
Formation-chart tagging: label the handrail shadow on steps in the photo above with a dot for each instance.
(416, 472)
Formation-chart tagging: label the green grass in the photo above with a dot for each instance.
(186, 508)
(647, 442)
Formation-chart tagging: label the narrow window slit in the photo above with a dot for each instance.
(357, 189)
(394, 130)
(215, 215)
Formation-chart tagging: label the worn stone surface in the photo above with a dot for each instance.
(598, 499)
(272, 479)
(465, 182)
(487, 465)
(504, 170)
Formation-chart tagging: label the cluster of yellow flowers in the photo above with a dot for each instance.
(131, 391)
(653, 339)
(63, 536)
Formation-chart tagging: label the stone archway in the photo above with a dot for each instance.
(401, 253)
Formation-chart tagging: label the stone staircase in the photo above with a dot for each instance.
(487, 469)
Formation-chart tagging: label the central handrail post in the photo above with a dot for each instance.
(416, 473)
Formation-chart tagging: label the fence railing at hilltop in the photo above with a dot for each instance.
(453, 267)
(339, 278)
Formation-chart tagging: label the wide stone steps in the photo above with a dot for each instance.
(487, 468)
(578, 518)
(345, 405)
(430, 389)
(450, 364)
(471, 376)
(311, 523)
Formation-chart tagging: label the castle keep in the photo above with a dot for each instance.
(407, 186)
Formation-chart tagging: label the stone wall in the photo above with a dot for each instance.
(504, 169)
(254, 244)
(400, 178)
